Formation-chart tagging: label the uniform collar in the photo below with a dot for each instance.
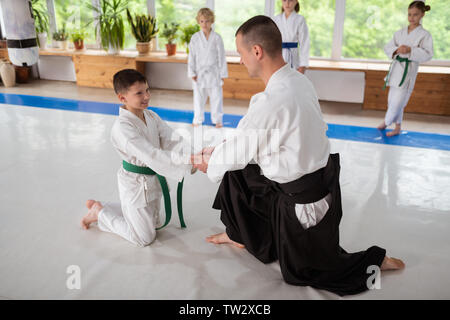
(278, 76)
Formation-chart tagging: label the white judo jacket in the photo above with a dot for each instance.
(421, 44)
(294, 29)
(207, 60)
(154, 145)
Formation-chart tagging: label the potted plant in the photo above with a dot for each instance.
(186, 34)
(41, 22)
(109, 24)
(170, 33)
(77, 37)
(143, 28)
(60, 38)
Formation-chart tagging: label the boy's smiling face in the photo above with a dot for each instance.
(137, 96)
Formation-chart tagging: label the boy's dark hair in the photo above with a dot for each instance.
(263, 31)
(125, 78)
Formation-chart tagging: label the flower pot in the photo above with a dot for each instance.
(8, 74)
(79, 44)
(143, 47)
(22, 74)
(171, 49)
(65, 45)
(42, 40)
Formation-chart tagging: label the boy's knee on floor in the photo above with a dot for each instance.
(145, 240)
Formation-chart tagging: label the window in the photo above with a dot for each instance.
(437, 22)
(319, 16)
(369, 26)
(75, 15)
(178, 11)
(230, 14)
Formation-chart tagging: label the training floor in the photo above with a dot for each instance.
(56, 154)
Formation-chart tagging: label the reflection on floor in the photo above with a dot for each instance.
(53, 160)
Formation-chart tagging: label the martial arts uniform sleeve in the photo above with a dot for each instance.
(222, 58)
(424, 52)
(169, 139)
(235, 152)
(303, 39)
(192, 69)
(169, 164)
(391, 47)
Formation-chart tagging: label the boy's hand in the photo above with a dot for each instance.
(404, 49)
(208, 150)
(194, 78)
(200, 161)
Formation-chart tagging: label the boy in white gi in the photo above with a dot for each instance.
(409, 47)
(295, 35)
(207, 67)
(145, 143)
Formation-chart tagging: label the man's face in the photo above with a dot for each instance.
(137, 96)
(247, 57)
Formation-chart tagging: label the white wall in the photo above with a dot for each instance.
(341, 86)
(56, 68)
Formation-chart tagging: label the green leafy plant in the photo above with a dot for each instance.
(187, 32)
(109, 23)
(41, 20)
(61, 35)
(77, 35)
(143, 27)
(170, 32)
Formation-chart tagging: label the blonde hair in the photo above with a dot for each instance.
(207, 13)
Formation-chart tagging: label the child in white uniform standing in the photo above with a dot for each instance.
(144, 143)
(207, 66)
(295, 35)
(409, 47)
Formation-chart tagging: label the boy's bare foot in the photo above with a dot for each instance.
(219, 125)
(382, 126)
(394, 132)
(392, 264)
(223, 238)
(92, 215)
(195, 124)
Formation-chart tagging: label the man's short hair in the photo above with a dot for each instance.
(262, 31)
(125, 78)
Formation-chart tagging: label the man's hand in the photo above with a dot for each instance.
(208, 150)
(194, 78)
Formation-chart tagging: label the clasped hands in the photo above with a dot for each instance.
(403, 49)
(201, 159)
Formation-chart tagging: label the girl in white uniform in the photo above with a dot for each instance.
(409, 47)
(207, 67)
(143, 141)
(295, 35)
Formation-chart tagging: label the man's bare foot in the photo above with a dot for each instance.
(382, 126)
(394, 132)
(219, 125)
(392, 264)
(92, 215)
(223, 238)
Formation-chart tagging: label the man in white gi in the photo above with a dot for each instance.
(409, 47)
(295, 35)
(207, 67)
(284, 202)
(150, 151)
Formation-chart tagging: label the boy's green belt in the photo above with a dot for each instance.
(145, 170)
(405, 71)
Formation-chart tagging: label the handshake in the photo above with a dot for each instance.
(200, 160)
